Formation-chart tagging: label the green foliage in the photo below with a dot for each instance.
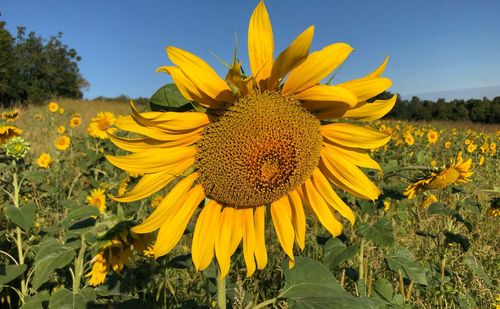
(35, 70)
(168, 98)
(401, 260)
(23, 216)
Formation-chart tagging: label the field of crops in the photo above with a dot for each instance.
(64, 240)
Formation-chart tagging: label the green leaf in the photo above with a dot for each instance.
(391, 166)
(402, 260)
(477, 268)
(336, 252)
(11, 272)
(309, 284)
(51, 256)
(421, 155)
(24, 216)
(169, 98)
(80, 213)
(383, 288)
(36, 301)
(65, 299)
(440, 209)
(380, 233)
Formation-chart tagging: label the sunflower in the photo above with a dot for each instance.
(432, 136)
(471, 148)
(100, 124)
(458, 171)
(259, 148)
(409, 140)
(53, 107)
(61, 129)
(62, 142)
(429, 200)
(7, 132)
(61, 110)
(11, 116)
(114, 254)
(44, 160)
(75, 121)
(97, 199)
(447, 145)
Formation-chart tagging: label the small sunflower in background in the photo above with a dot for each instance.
(8, 131)
(61, 110)
(75, 121)
(259, 149)
(61, 129)
(44, 160)
(409, 140)
(53, 107)
(447, 145)
(457, 172)
(62, 142)
(101, 124)
(97, 198)
(471, 148)
(11, 116)
(432, 136)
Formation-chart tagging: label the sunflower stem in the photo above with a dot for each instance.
(19, 240)
(221, 293)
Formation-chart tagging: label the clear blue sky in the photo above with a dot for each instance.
(433, 45)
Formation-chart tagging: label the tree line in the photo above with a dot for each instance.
(35, 70)
(477, 110)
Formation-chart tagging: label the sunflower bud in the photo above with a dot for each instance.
(17, 148)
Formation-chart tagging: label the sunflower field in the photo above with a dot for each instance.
(268, 190)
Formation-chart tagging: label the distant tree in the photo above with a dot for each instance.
(39, 69)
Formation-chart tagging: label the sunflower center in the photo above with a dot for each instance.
(258, 150)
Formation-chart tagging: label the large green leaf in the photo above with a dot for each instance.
(309, 284)
(80, 213)
(51, 256)
(402, 260)
(384, 289)
(24, 216)
(11, 272)
(65, 299)
(168, 98)
(37, 301)
(477, 268)
(380, 232)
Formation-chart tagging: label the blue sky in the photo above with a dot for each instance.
(433, 45)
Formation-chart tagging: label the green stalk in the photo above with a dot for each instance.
(19, 241)
(221, 292)
(79, 266)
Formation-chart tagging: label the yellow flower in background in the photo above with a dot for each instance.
(61, 129)
(481, 160)
(493, 147)
(447, 145)
(122, 188)
(44, 160)
(467, 142)
(101, 124)
(62, 142)
(409, 140)
(75, 121)
(429, 200)
(264, 150)
(7, 132)
(156, 201)
(61, 110)
(432, 136)
(115, 254)
(387, 205)
(433, 163)
(455, 173)
(471, 148)
(485, 148)
(11, 116)
(97, 199)
(53, 107)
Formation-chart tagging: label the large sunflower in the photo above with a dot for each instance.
(259, 148)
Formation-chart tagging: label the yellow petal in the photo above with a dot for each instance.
(188, 88)
(321, 209)
(260, 237)
(378, 71)
(360, 157)
(291, 57)
(201, 74)
(248, 239)
(354, 136)
(152, 183)
(281, 213)
(139, 144)
(347, 176)
(328, 95)
(371, 111)
(331, 198)
(298, 218)
(229, 234)
(365, 89)
(316, 67)
(129, 124)
(167, 205)
(203, 245)
(174, 225)
(238, 84)
(260, 44)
